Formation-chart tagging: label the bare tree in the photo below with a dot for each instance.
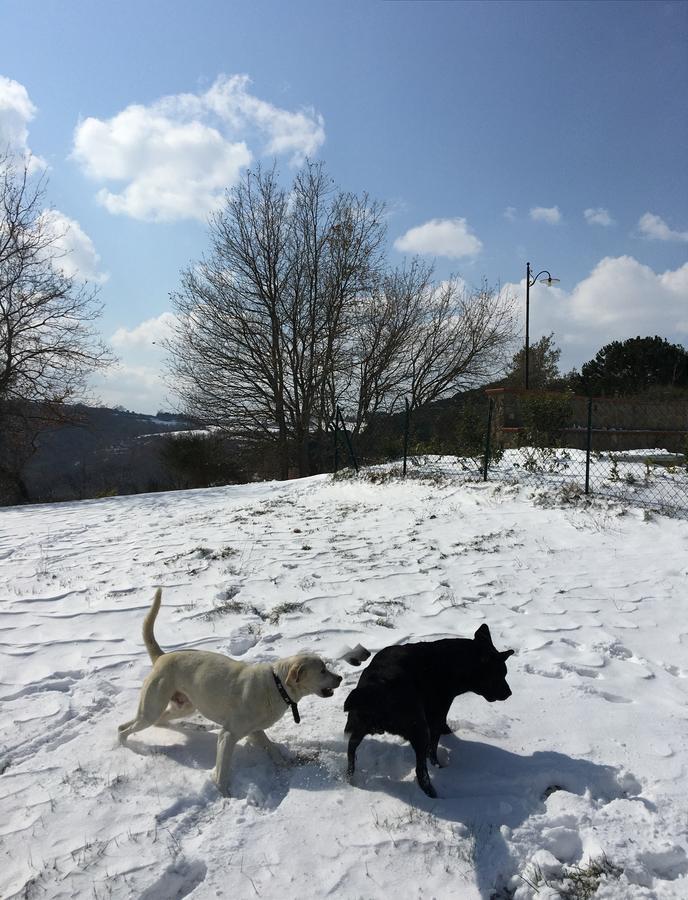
(462, 341)
(292, 313)
(388, 320)
(263, 320)
(47, 344)
(421, 341)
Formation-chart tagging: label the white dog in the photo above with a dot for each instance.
(242, 699)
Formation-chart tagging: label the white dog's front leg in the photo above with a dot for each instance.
(260, 739)
(225, 747)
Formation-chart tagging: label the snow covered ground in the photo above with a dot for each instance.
(578, 782)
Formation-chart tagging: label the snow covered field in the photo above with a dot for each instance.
(578, 782)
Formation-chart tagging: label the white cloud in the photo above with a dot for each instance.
(598, 216)
(177, 155)
(440, 237)
(297, 134)
(137, 382)
(174, 170)
(16, 111)
(620, 298)
(76, 254)
(548, 214)
(655, 228)
(136, 387)
(152, 331)
(510, 213)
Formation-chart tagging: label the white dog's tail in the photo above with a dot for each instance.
(153, 647)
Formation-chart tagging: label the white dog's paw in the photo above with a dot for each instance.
(223, 787)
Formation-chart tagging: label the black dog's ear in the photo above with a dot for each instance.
(483, 634)
(506, 654)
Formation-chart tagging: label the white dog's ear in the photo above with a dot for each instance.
(295, 673)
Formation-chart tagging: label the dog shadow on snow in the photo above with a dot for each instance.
(254, 776)
(481, 782)
(478, 780)
(483, 788)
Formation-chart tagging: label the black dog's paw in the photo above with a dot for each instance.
(435, 760)
(425, 784)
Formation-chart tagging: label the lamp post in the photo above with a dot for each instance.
(530, 281)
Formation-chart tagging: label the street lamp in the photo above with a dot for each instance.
(530, 281)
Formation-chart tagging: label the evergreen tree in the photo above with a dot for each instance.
(633, 366)
(543, 366)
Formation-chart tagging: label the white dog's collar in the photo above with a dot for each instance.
(287, 699)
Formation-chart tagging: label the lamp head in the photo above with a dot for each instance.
(549, 281)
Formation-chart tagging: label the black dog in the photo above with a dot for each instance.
(408, 689)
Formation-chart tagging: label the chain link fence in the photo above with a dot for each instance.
(633, 449)
(629, 448)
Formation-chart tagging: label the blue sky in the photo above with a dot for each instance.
(555, 132)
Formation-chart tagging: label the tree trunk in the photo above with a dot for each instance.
(13, 489)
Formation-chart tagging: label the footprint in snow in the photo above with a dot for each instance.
(179, 880)
(674, 670)
(668, 863)
(604, 695)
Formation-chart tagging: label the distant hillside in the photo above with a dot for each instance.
(108, 451)
(115, 452)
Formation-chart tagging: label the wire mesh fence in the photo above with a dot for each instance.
(631, 448)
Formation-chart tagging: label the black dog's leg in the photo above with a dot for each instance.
(437, 719)
(445, 729)
(420, 741)
(354, 740)
(422, 774)
(432, 749)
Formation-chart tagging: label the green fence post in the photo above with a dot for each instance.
(487, 439)
(349, 445)
(407, 426)
(588, 447)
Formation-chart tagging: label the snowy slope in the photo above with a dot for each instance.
(585, 762)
